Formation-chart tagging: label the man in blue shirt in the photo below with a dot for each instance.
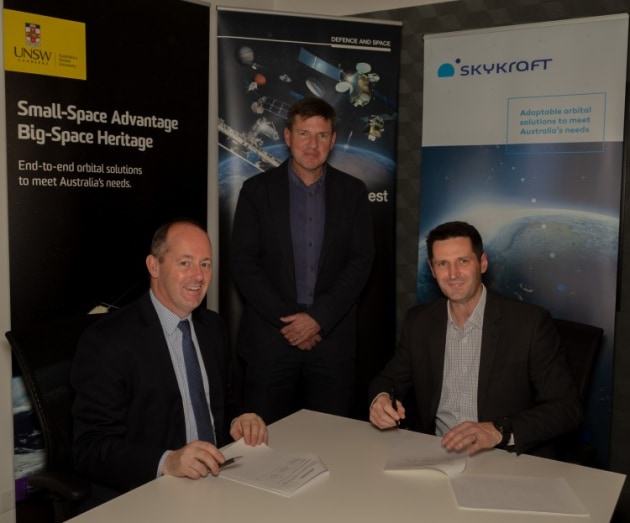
(134, 416)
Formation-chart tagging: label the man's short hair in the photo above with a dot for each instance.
(455, 230)
(159, 244)
(311, 106)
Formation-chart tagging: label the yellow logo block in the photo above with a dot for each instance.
(44, 45)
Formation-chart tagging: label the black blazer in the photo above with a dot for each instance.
(128, 408)
(263, 266)
(523, 373)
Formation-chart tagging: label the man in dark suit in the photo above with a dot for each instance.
(134, 415)
(302, 251)
(485, 371)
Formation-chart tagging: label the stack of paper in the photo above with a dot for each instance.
(264, 468)
(484, 491)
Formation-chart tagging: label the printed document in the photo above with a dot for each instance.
(411, 452)
(483, 491)
(262, 467)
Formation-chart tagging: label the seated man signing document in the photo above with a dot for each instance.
(153, 380)
(486, 371)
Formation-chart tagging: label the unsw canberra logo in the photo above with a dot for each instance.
(31, 52)
(457, 68)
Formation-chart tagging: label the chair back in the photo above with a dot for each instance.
(581, 344)
(44, 356)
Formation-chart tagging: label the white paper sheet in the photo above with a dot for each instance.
(481, 491)
(264, 468)
(409, 452)
(511, 493)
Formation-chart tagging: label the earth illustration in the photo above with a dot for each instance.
(377, 171)
(558, 259)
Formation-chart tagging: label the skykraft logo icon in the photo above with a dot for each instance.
(448, 70)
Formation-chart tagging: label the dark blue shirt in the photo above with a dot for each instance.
(307, 214)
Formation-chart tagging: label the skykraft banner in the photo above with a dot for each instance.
(522, 137)
(267, 62)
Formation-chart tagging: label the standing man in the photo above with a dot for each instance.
(153, 379)
(302, 252)
(486, 371)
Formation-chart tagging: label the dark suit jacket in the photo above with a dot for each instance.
(263, 267)
(128, 409)
(522, 373)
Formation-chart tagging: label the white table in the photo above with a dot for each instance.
(356, 490)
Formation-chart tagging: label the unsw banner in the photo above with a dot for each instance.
(107, 138)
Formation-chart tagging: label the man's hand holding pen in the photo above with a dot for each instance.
(386, 411)
(195, 460)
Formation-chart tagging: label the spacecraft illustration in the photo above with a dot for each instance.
(273, 106)
(375, 125)
(357, 84)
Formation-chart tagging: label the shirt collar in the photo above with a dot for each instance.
(168, 318)
(476, 318)
(298, 181)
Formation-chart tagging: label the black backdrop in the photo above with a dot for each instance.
(73, 248)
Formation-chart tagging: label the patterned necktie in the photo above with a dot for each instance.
(205, 431)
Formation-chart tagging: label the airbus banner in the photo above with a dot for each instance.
(523, 137)
(267, 62)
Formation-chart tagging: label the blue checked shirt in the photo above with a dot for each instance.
(458, 401)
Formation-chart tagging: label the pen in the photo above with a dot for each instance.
(229, 461)
(392, 396)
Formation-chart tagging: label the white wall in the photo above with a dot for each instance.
(343, 7)
(322, 7)
(7, 496)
